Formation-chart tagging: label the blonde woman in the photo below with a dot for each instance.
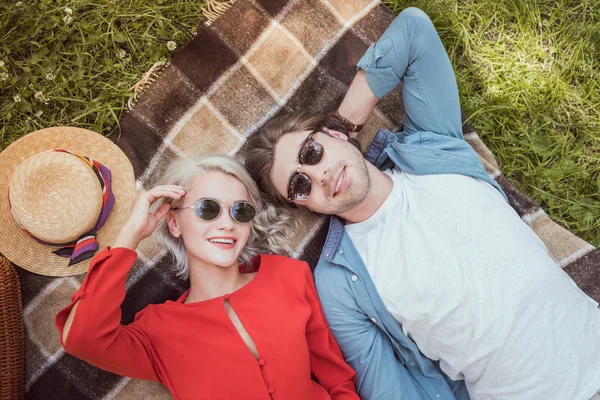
(249, 327)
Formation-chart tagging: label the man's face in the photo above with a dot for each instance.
(342, 167)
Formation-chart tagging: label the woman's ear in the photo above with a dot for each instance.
(173, 224)
(335, 134)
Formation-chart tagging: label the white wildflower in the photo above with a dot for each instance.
(3, 76)
(67, 19)
(39, 96)
(39, 113)
(122, 53)
(171, 45)
(68, 11)
(19, 3)
(17, 98)
(50, 76)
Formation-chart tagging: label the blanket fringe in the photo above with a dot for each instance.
(215, 8)
(147, 79)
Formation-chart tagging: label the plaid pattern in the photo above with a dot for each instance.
(262, 58)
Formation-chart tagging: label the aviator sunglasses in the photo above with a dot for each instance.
(311, 153)
(208, 209)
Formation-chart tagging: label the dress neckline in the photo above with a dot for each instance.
(180, 302)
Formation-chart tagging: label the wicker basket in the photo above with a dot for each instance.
(12, 340)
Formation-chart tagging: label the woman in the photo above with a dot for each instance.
(244, 330)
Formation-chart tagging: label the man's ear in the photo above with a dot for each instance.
(335, 134)
(173, 224)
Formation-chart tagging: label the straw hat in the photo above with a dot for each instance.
(52, 199)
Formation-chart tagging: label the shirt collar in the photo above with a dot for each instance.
(381, 140)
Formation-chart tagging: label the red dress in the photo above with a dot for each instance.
(196, 351)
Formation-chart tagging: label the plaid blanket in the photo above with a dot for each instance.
(260, 59)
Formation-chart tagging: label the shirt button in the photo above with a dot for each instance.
(271, 389)
(226, 296)
(438, 395)
(261, 362)
(354, 278)
(374, 320)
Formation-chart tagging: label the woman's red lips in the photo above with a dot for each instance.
(223, 242)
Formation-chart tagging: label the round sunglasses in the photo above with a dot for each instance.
(208, 209)
(311, 153)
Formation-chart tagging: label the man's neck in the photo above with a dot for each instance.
(381, 187)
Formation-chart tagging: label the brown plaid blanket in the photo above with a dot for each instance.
(260, 59)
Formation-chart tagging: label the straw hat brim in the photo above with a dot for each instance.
(24, 251)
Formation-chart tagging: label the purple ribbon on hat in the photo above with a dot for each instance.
(86, 245)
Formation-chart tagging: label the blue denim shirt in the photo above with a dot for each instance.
(388, 363)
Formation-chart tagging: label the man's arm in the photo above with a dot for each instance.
(379, 373)
(409, 51)
(359, 101)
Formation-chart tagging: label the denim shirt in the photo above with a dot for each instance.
(388, 364)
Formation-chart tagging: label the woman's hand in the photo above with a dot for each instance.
(142, 222)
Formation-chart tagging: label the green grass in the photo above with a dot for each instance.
(83, 68)
(528, 74)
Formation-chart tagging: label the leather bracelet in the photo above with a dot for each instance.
(349, 125)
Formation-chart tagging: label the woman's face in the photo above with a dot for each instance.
(199, 235)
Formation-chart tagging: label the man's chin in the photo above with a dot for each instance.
(335, 208)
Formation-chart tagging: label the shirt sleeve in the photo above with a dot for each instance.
(326, 360)
(96, 335)
(380, 374)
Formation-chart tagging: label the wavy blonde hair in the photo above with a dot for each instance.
(270, 228)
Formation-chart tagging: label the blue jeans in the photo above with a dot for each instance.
(411, 52)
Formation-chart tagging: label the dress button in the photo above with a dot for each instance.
(226, 296)
(271, 389)
(374, 320)
(261, 362)
(354, 278)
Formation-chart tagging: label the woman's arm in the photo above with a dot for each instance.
(326, 361)
(125, 240)
(90, 327)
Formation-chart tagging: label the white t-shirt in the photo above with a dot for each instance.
(475, 288)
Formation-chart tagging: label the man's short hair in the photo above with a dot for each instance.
(260, 148)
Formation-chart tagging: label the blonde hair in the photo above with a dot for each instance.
(270, 228)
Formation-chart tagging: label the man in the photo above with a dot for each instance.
(423, 247)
